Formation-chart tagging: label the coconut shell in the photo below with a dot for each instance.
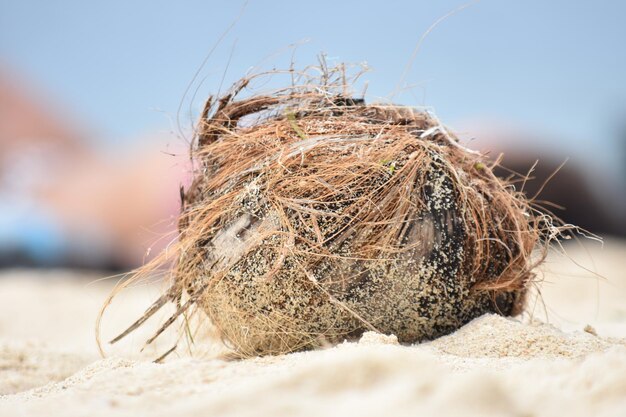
(341, 219)
(314, 217)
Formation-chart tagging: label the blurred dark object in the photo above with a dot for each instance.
(580, 183)
(583, 202)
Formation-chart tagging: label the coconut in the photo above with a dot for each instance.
(314, 217)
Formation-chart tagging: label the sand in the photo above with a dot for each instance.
(567, 358)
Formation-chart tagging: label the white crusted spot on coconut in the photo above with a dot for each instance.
(373, 339)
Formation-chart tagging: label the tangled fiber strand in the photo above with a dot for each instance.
(313, 217)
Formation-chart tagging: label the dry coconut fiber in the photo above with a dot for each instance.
(314, 217)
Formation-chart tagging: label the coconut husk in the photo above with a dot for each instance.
(313, 217)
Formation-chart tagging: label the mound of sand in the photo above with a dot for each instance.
(575, 365)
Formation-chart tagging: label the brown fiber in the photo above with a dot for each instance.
(313, 217)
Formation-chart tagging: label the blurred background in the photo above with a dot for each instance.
(98, 101)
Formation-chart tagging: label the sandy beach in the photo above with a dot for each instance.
(565, 356)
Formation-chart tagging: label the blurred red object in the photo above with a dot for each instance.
(67, 201)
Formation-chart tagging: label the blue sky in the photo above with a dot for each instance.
(558, 67)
